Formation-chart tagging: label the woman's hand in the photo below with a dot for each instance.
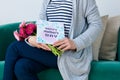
(65, 44)
(32, 41)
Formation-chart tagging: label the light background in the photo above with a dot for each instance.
(26, 10)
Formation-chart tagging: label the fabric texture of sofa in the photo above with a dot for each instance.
(100, 70)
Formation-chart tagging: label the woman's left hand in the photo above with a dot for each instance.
(65, 44)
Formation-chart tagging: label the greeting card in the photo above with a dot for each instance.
(49, 32)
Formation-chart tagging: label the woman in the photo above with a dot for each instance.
(82, 26)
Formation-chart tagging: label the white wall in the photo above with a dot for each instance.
(20, 10)
(111, 7)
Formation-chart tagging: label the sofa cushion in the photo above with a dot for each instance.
(50, 74)
(105, 70)
(109, 44)
(111, 68)
(1, 69)
(100, 70)
(97, 43)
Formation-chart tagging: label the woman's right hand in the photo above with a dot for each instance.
(32, 41)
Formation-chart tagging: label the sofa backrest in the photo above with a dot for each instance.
(6, 37)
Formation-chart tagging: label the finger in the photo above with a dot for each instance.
(38, 45)
(58, 43)
(62, 46)
(43, 48)
(65, 49)
(46, 47)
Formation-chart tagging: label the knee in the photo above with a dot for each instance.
(11, 50)
(12, 45)
(21, 67)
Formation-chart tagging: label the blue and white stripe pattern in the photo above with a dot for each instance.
(60, 11)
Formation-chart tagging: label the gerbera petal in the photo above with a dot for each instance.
(16, 35)
(22, 24)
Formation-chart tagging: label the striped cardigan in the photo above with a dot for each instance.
(85, 27)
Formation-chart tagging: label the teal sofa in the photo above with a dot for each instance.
(100, 70)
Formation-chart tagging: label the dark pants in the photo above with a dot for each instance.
(23, 62)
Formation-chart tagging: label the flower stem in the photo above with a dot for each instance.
(55, 51)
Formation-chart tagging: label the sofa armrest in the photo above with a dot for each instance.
(6, 37)
(118, 46)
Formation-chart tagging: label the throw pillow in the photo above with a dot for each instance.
(97, 43)
(109, 44)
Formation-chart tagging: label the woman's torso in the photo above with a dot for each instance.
(60, 11)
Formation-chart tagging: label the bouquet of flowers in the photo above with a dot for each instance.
(28, 29)
(25, 30)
